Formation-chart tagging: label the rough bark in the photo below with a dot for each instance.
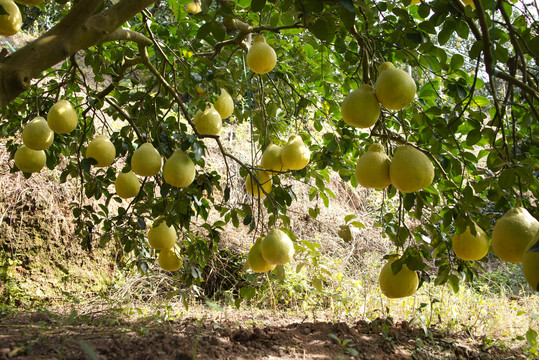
(78, 30)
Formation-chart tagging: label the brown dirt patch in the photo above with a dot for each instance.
(237, 335)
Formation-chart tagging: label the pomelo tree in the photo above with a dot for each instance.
(138, 71)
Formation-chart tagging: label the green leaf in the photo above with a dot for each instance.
(322, 29)
(480, 101)
(279, 272)
(473, 137)
(454, 282)
(88, 350)
(507, 179)
(309, 51)
(257, 5)
(348, 5)
(446, 32)
(247, 292)
(317, 284)
(462, 29)
(457, 61)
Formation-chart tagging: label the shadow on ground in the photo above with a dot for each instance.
(44, 335)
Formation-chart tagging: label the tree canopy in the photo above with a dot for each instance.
(139, 70)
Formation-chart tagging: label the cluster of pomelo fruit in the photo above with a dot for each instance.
(515, 239)
(274, 249)
(163, 238)
(410, 169)
(38, 135)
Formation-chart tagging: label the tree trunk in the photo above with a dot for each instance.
(78, 30)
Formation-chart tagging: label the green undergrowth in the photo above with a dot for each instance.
(40, 262)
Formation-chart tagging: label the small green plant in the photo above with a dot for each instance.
(345, 346)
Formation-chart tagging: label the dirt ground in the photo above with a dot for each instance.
(236, 335)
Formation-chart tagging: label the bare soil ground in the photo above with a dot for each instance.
(237, 335)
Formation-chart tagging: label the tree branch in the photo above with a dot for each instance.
(78, 30)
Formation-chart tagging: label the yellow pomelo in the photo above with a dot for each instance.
(37, 135)
(416, 2)
(271, 158)
(395, 89)
(261, 58)
(62, 117)
(10, 24)
(179, 169)
(29, 2)
(102, 150)
(410, 169)
(471, 247)
(402, 284)
(530, 264)
(169, 261)
(146, 161)
(277, 248)
(372, 169)
(295, 154)
(209, 122)
(224, 104)
(28, 160)
(264, 178)
(513, 233)
(127, 185)
(162, 236)
(360, 108)
(193, 7)
(256, 260)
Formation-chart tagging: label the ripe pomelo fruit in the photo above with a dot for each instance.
(179, 169)
(224, 104)
(37, 135)
(254, 188)
(62, 117)
(146, 161)
(256, 260)
(209, 122)
(10, 23)
(530, 264)
(277, 248)
(102, 150)
(372, 169)
(471, 247)
(295, 154)
(410, 170)
(261, 58)
(360, 108)
(271, 158)
(169, 261)
(127, 185)
(193, 7)
(162, 236)
(402, 284)
(28, 160)
(395, 89)
(513, 233)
